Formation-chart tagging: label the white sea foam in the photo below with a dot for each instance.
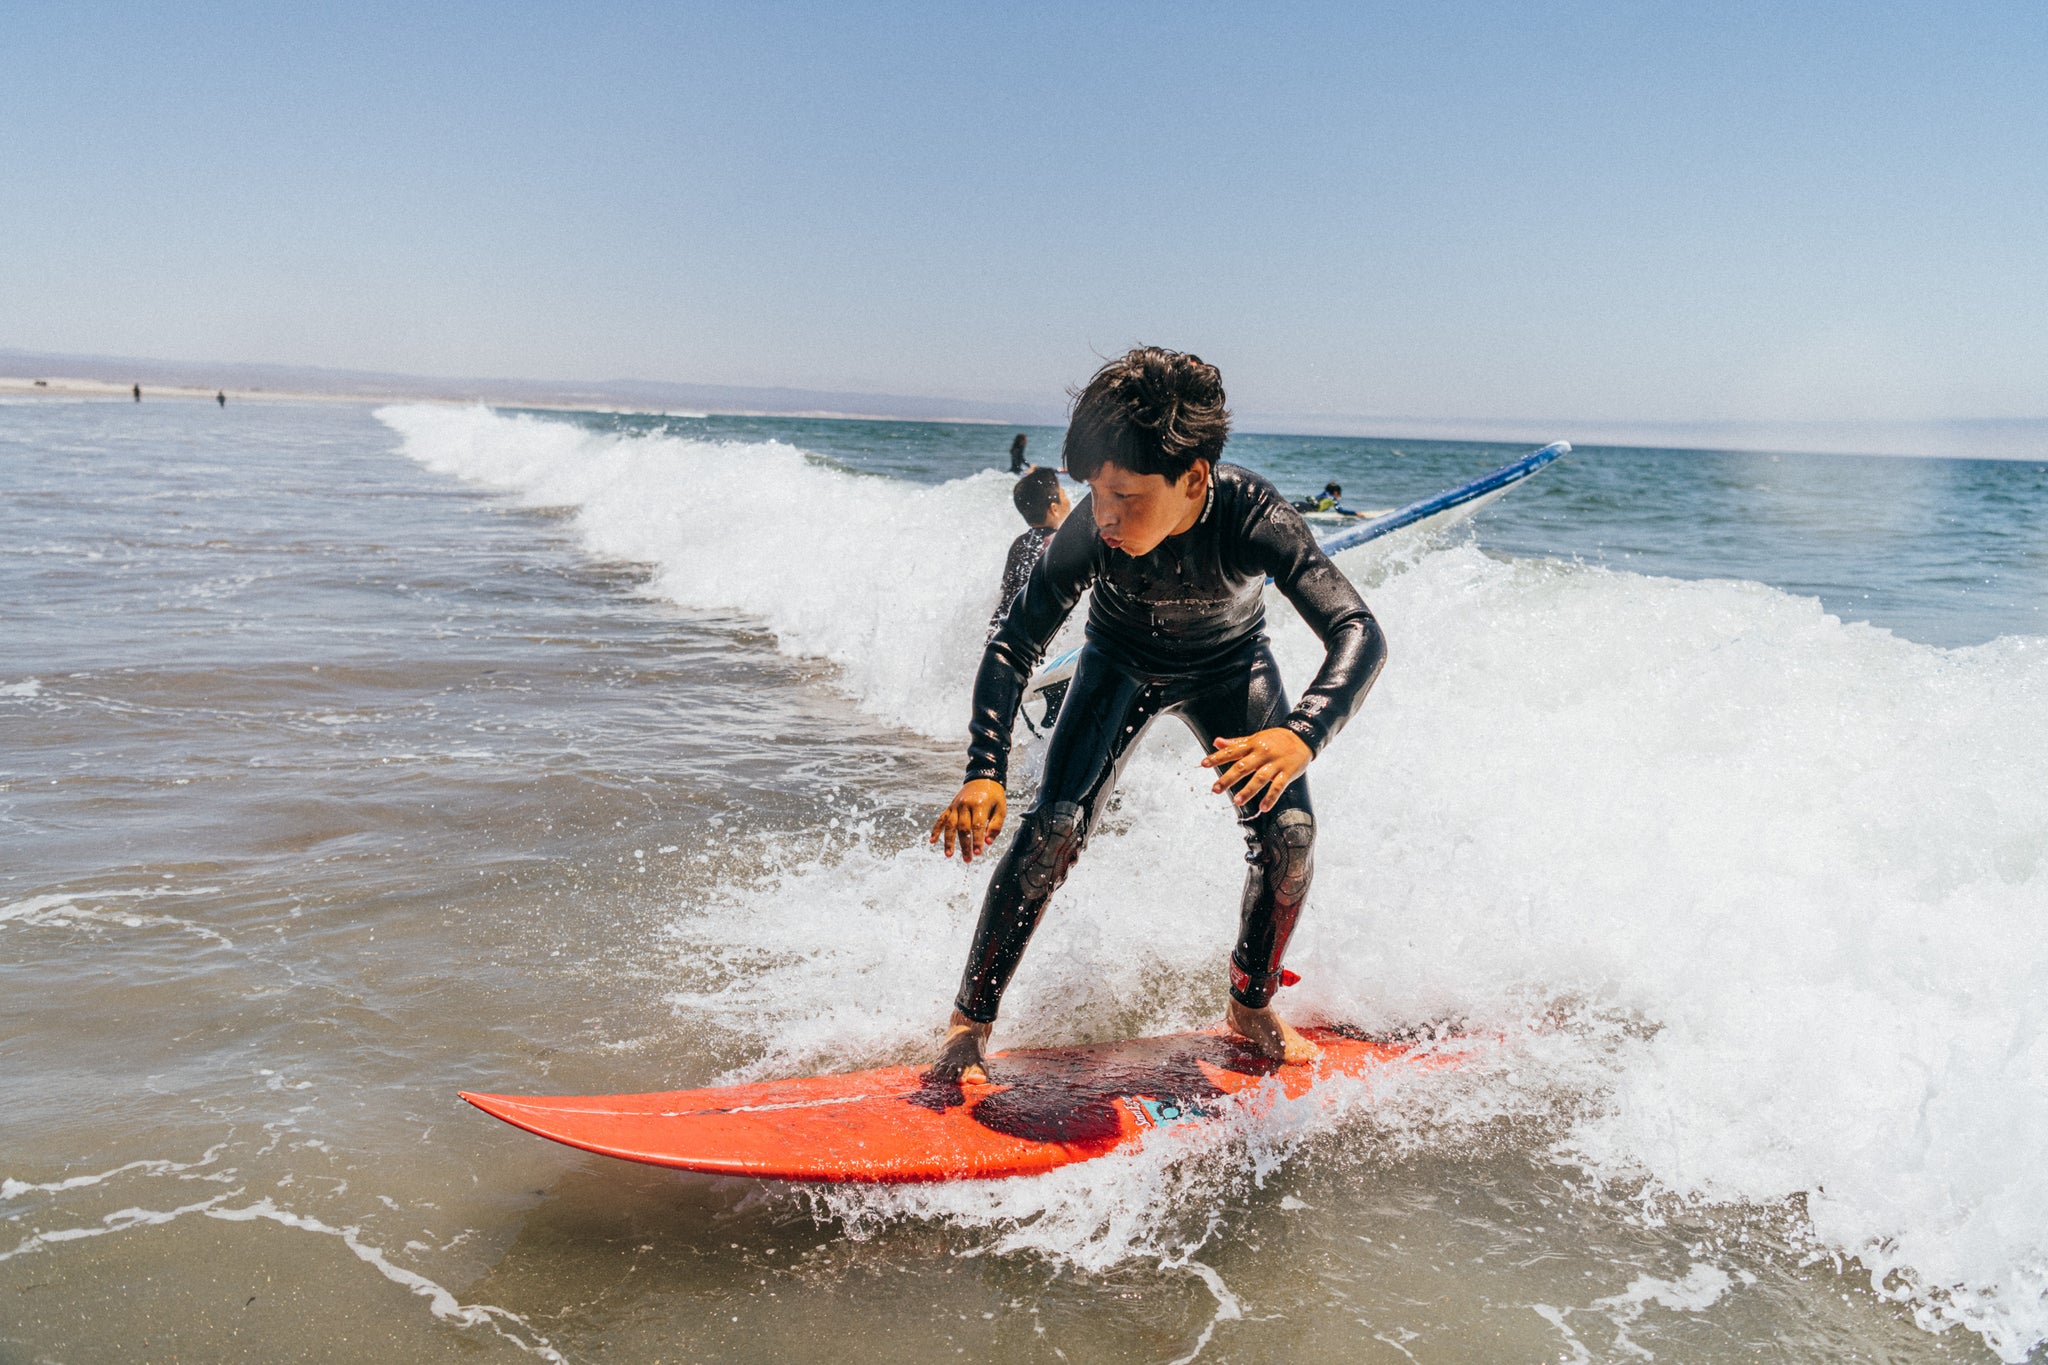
(66, 910)
(1702, 1287)
(13, 1189)
(762, 529)
(440, 1301)
(1783, 880)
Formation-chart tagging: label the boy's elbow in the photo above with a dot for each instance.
(1370, 647)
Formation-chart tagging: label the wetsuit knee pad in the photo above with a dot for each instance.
(1289, 849)
(1283, 864)
(1055, 837)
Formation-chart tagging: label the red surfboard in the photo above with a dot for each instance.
(1042, 1108)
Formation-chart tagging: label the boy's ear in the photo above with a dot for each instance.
(1196, 480)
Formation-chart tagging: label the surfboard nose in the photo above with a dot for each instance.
(494, 1105)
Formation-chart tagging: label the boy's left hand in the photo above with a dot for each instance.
(1268, 761)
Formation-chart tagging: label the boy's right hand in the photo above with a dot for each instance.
(974, 819)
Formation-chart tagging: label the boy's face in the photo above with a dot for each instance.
(1135, 512)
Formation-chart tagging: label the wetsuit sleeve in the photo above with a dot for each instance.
(1063, 572)
(1354, 647)
(1016, 572)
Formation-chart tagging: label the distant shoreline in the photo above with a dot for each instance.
(2024, 439)
(105, 376)
(56, 386)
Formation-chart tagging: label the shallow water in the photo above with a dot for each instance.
(349, 762)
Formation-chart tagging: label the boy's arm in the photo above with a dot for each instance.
(1354, 647)
(1062, 573)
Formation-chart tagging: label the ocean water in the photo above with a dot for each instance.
(352, 757)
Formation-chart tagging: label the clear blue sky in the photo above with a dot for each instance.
(1628, 211)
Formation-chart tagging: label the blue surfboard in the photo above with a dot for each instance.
(1451, 507)
(1436, 513)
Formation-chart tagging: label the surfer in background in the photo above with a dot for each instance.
(1044, 505)
(1017, 465)
(1329, 500)
(1177, 549)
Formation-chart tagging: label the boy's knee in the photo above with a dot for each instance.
(1053, 836)
(1283, 846)
(1290, 847)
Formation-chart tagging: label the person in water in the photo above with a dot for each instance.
(1177, 549)
(1017, 465)
(1043, 504)
(1326, 501)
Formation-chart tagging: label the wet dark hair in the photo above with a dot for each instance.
(1149, 411)
(1334, 487)
(1036, 491)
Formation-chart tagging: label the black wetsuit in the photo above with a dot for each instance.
(1025, 552)
(1179, 630)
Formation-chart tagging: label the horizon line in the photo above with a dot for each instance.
(1836, 435)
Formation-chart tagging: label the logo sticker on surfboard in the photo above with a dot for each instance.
(1166, 1113)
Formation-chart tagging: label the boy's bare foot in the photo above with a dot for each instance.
(1269, 1034)
(963, 1055)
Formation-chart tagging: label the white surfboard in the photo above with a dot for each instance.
(1344, 518)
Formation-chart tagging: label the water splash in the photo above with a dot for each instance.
(1778, 882)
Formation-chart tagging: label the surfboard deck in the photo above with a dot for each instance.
(1043, 1108)
(1345, 518)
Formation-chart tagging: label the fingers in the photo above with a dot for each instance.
(1274, 778)
(1238, 771)
(1260, 779)
(1244, 756)
(1227, 750)
(956, 833)
(970, 822)
(1279, 783)
(1268, 762)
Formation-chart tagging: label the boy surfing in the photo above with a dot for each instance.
(1177, 548)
